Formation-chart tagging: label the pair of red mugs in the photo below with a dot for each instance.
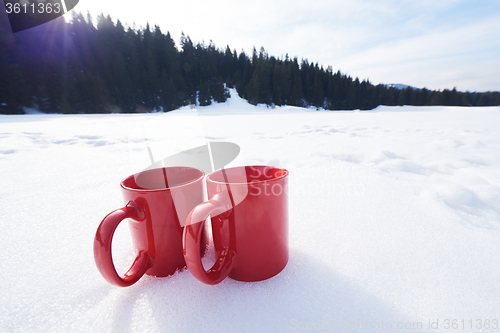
(248, 207)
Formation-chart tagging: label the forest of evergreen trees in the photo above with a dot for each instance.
(79, 67)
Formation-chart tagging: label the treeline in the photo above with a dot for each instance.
(275, 81)
(79, 67)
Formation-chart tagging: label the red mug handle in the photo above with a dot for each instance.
(102, 247)
(191, 242)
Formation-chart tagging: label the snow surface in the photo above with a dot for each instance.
(394, 218)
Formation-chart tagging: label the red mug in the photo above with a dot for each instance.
(157, 204)
(249, 216)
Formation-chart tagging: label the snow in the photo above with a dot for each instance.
(394, 218)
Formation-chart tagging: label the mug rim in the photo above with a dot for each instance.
(286, 173)
(137, 189)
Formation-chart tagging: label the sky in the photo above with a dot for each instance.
(426, 43)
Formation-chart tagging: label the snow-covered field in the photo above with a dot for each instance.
(394, 220)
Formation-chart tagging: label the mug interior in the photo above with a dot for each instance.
(247, 174)
(162, 178)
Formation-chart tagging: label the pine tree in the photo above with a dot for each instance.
(318, 97)
(252, 91)
(297, 92)
(204, 94)
(218, 91)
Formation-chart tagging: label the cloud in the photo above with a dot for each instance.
(428, 59)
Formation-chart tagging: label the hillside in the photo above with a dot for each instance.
(79, 67)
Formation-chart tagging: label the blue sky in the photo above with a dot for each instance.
(436, 44)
